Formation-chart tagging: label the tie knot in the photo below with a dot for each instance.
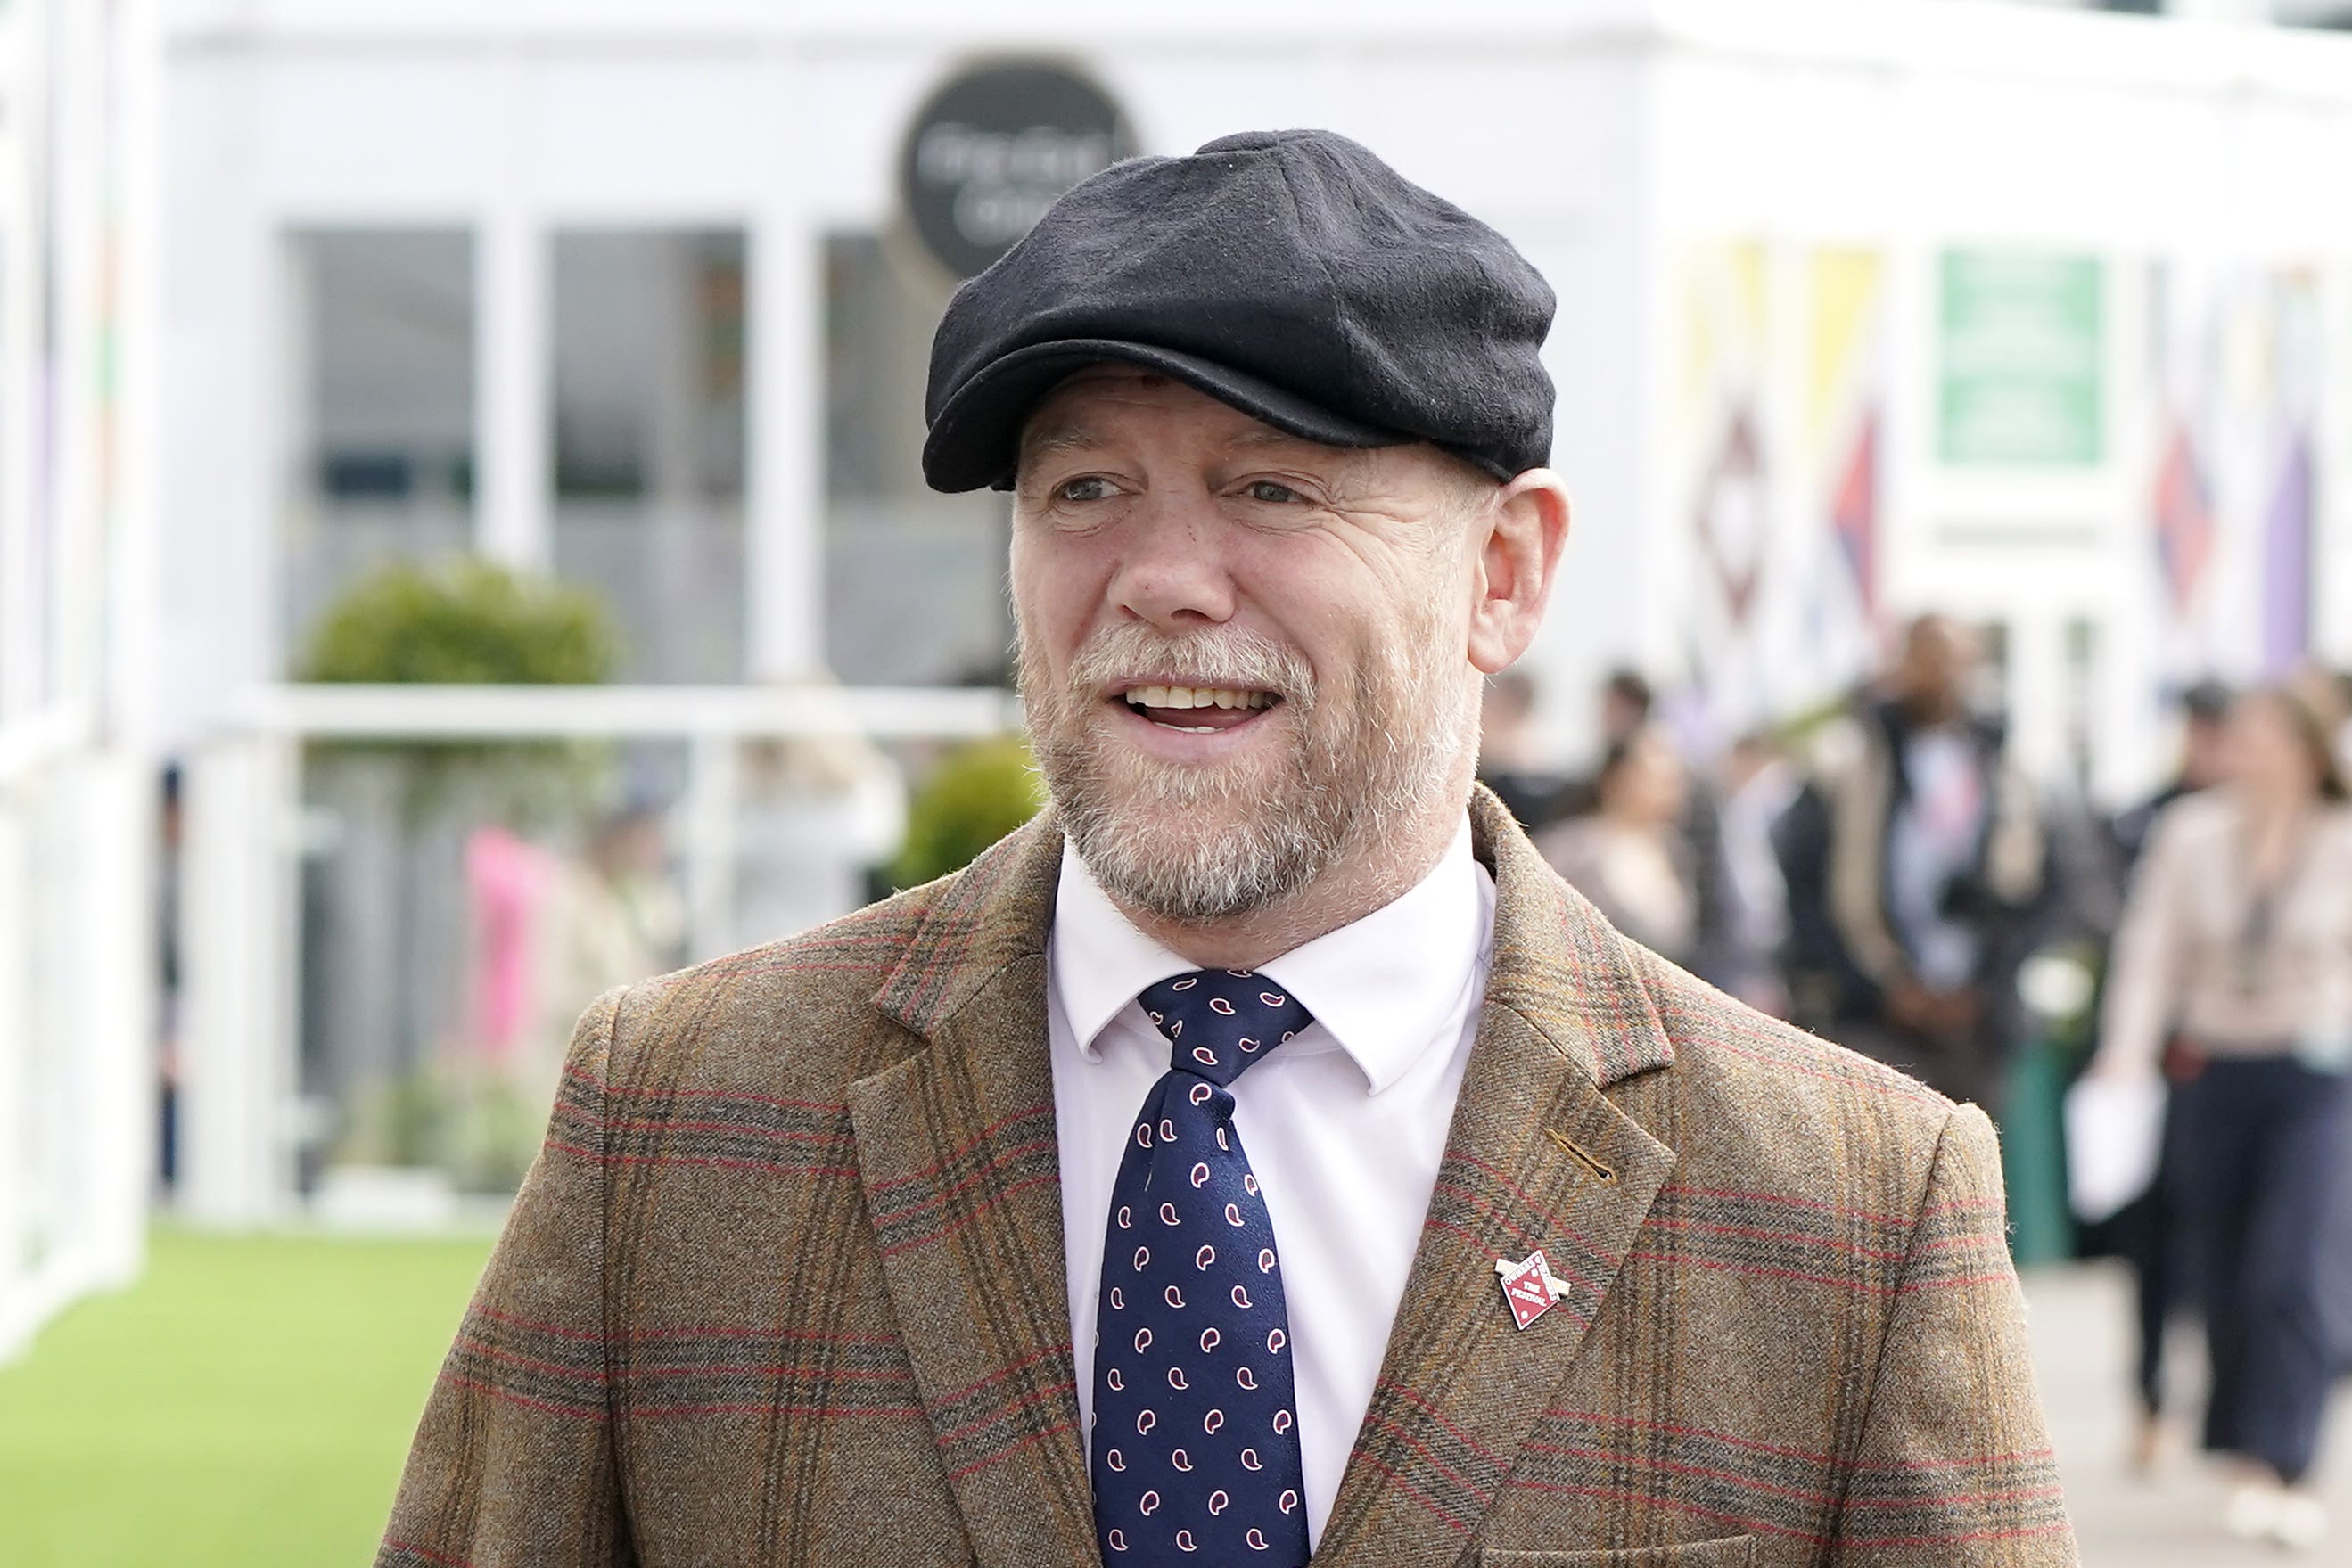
(1218, 1022)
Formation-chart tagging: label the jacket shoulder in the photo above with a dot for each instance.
(2193, 830)
(2198, 817)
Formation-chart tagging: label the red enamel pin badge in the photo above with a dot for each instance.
(1530, 1287)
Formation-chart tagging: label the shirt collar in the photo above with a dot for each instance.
(1381, 988)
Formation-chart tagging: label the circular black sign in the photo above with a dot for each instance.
(993, 148)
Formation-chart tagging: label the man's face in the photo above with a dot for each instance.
(1649, 785)
(2204, 751)
(1939, 658)
(1621, 715)
(1244, 654)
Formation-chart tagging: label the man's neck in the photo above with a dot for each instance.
(1371, 876)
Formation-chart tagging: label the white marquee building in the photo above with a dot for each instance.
(1867, 306)
(430, 267)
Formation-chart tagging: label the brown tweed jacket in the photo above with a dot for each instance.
(786, 1284)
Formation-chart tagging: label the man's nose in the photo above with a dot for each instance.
(1171, 570)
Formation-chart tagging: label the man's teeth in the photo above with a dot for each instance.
(1197, 696)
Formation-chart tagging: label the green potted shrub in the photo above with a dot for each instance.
(976, 795)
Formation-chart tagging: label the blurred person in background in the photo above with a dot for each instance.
(614, 915)
(2333, 691)
(1919, 870)
(547, 935)
(2145, 1232)
(1629, 855)
(1625, 703)
(1758, 785)
(1630, 720)
(1513, 760)
(2204, 757)
(2238, 933)
(815, 813)
(631, 912)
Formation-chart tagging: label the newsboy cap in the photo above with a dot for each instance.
(1289, 273)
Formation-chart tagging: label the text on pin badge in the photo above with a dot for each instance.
(1530, 1287)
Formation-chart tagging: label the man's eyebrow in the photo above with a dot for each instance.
(1322, 457)
(1046, 440)
(1267, 436)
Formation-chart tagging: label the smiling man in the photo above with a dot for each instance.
(1263, 1154)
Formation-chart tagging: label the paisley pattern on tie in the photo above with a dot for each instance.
(1196, 1455)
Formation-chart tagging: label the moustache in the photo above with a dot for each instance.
(1239, 660)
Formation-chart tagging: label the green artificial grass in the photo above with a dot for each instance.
(248, 1402)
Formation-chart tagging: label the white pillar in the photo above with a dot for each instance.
(114, 954)
(712, 791)
(784, 541)
(22, 37)
(103, 816)
(17, 1318)
(133, 587)
(236, 915)
(513, 440)
(2331, 609)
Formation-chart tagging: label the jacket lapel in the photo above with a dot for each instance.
(1537, 1158)
(957, 1150)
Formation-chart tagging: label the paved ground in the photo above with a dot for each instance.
(2081, 1346)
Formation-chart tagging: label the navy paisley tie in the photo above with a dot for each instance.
(1196, 1426)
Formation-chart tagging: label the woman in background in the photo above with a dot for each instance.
(1629, 855)
(2237, 933)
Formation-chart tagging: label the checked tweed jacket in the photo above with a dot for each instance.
(786, 1287)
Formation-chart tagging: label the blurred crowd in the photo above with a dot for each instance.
(1883, 874)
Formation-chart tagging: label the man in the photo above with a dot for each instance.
(1263, 1151)
(1920, 876)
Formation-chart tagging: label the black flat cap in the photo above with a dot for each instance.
(1289, 273)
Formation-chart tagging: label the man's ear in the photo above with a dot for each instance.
(1525, 526)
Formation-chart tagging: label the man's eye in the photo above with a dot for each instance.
(1091, 489)
(1271, 492)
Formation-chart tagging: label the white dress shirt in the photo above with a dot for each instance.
(1344, 1125)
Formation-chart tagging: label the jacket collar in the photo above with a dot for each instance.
(1560, 965)
(995, 912)
(1557, 963)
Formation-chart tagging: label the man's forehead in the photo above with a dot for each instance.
(1084, 408)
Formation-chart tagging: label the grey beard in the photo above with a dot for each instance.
(1196, 846)
(1253, 859)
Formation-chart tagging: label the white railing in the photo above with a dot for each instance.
(41, 738)
(243, 1121)
(75, 1058)
(526, 713)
